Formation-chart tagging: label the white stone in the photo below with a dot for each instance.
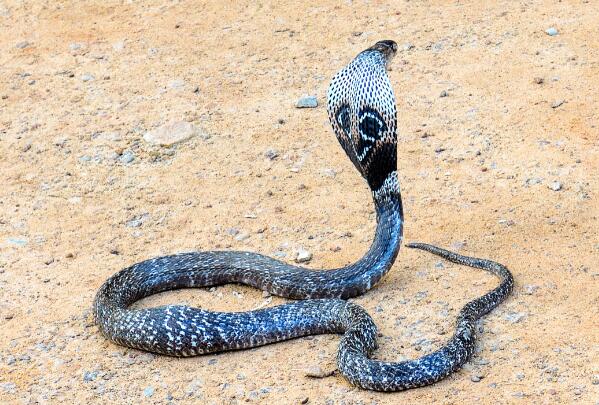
(303, 256)
(172, 133)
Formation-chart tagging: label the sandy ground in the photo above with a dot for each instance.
(497, 168)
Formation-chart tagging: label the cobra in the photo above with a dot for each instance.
(361, 108)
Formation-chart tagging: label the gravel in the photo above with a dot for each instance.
(555, 186)
(176, 84)
(242, 236)
(148, 392)
(307, 102)
(90, 376)
(515, 317)
(127, 157)
(530, 289)
(303, 256)
(137, 221)
(476, 377)
(8, 387)
(271, 154)
(318, 372)
(118, 46)
(17, 241)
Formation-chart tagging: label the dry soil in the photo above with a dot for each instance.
(498, 156)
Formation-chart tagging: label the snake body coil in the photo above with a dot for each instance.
(361, 107)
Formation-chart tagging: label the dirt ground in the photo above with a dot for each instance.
(498, 157)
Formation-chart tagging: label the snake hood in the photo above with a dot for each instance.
(362, 111)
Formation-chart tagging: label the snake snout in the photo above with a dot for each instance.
(387, 47)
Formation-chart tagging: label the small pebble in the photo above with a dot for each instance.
(331, 173)
(539, 80)
(555, 186)
(137, 221)
(118, 46)
(144, 358)
(127, 157)
(307, 102)
(87, 77)
(148, 392)
(8, 387)
(17, 241)
(22, 44)
(318, 372)
(305, 401)
(515, 317)
(476, 377)
(444, 93)
(557, 103)
(90, 376)
(552, 31)
(303, 256)
(242, 236)
(176, 84)
(530, 289)
(271, 154)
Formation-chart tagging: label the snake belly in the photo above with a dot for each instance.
(362, 112)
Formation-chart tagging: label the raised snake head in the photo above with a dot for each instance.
(361, 107)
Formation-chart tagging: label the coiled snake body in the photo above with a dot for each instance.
(361, 107)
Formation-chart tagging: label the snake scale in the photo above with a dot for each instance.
(361, 108)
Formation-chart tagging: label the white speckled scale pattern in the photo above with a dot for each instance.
(361, 107)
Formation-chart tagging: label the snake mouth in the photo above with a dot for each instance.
(387, 47)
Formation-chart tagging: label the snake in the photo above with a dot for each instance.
(362, 111)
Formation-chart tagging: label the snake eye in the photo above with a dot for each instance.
(371, 127)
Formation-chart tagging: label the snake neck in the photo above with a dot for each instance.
(366, 272)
